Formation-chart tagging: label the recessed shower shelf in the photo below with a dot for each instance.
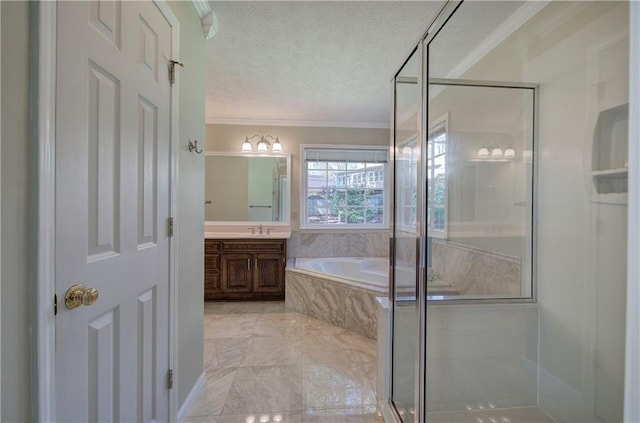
(610, 172)
(609, 156)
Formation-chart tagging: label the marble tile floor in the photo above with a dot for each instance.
(265, 364)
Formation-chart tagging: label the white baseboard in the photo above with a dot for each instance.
(191, 398)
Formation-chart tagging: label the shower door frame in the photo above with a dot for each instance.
(437, 23)
(422, 245)
(418, 49)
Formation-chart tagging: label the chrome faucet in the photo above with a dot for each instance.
(253, 231)
(269, 231)
(260, 229)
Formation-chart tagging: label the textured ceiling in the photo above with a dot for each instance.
(329, 63)
(324, 63)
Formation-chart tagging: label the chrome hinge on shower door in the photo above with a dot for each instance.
(170, 379)
(170, 226)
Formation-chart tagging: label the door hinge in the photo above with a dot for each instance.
(172, 70)
(170, 226)
(170, 379)
(55, 304)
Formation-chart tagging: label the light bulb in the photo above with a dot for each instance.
(483, 152)
(246, 145)
(262, 145)
(276, 145)
(509, 153)
(496, 152)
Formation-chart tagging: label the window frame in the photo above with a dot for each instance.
(444, 122)
(303, 220)
(406, 201)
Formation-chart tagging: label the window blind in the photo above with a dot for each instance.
(439, 130)
(346, 155)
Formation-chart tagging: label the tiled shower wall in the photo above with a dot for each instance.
(350, 244)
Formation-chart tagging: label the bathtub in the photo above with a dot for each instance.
(343, 290)
(364, 272)
(369, 273)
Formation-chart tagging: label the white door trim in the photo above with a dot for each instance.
(632, 365)
(45, 84)
(45, 34)
(173, 201)
(0, 211)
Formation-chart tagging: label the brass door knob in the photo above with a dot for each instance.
(79, 295)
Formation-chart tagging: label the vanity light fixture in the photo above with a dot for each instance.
(493, 152)
(263, 144)
(483, 152)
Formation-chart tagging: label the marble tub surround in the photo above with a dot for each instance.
(477, 272)
(282, 366)
(327, 299)
(349, 244)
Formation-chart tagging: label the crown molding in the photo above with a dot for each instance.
(208, 18)
(212, 120)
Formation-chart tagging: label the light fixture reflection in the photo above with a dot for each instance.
(494, 152)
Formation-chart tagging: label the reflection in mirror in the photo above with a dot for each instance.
(480, 209)
(242, 188)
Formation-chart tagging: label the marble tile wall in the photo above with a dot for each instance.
(406, 248)
(350, 244)
(477, 272)
(345, 306)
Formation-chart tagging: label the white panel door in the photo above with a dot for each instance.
(112, 205)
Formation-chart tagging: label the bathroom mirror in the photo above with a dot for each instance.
(247, 188)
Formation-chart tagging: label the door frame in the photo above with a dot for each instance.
(43, 112)
(0, 211)
(632, 362)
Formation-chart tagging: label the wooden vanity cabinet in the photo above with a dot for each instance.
(244, 269)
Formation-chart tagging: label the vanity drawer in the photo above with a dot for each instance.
(211, 246)
(253, 245)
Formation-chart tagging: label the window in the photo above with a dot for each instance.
(437, 179)
(343, 187)
(407, 167)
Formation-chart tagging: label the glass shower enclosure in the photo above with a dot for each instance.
(509, 215)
